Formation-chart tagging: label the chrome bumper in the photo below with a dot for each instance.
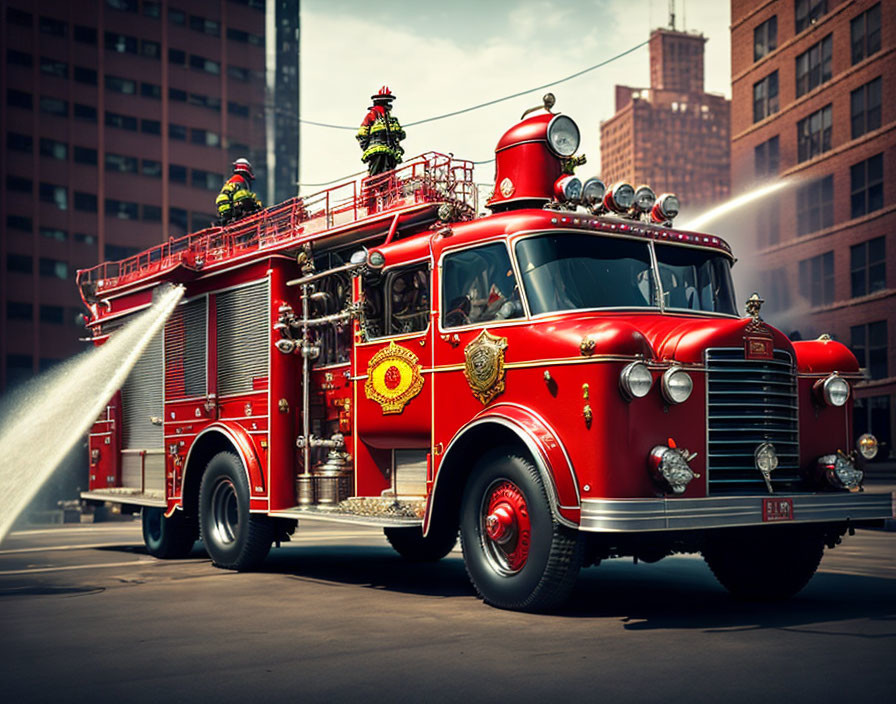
(642, 515)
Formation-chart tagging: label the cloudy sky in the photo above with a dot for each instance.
(438, 57)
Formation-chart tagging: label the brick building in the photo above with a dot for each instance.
(810, 80)
(672, 136)
(120, 120)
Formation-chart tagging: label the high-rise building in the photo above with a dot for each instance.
(673, 136)
(810, 80)
(120, 123)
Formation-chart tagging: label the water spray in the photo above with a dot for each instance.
(51, 413)
(701, 221)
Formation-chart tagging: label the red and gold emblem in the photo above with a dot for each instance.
(393, 378)
(484, 367)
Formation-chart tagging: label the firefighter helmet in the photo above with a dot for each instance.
(242, 166)
(384, 95)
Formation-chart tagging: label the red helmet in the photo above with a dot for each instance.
(384, 95)
(242, 166)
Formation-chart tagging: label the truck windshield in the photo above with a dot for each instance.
(567, 271)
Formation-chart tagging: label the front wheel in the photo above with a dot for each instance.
(517, 554)
(413, 546)
(234, 538)
(167, 538)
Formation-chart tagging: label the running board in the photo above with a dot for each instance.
(127, 496)
(362, 511)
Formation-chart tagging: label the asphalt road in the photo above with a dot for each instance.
(336, 616)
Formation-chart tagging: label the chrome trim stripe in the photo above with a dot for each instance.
(115, 498)
(643, 515)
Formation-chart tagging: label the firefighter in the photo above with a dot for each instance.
(380, 135)
(237, 199)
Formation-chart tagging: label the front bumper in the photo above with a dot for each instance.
(643, 515)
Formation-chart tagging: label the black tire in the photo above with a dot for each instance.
(768, 563)
(412, 546)
(167, 538)
(234, 538)
(536, 568)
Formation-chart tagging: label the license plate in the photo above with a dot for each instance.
(775, 509)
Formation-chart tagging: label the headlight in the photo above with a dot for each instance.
(620, 197)
(593, 191)
(669, 468)
(840, 472)
(867, 446)
(677, 385)
(666, 208)
(644, 199)
(563, 136)
(568, 189)
(635, 380)
(376, 260)
(834, 390)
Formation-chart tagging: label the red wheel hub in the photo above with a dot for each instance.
(506, 523)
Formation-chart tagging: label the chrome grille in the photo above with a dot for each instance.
(185, 343)
(141, 400)
(244, 334)
(750, 401)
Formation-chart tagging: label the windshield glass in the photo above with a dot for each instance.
(568, 271)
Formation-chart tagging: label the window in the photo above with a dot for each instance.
(150, 49)
(200, 221)
(19, 222)
(19, 99)
(205, 101)
(177, 16)
(54, 233)
(82, 238)
(19, 263)
(117, 252)
(205, 137)
(864, 104)
(19, 142)
(17, 183)
(177, 173)
(177, 57)
(53, 268)
(151, 127)
(121, 164)
(121, 43)
(815, 205)
(123, 5)
(54, 106)
(817, 278)
(868, 267)
(85, 155)
(869, 345)
(19, 311)
(178, 218)
(238, 109)
(121, 85)
(765, 38)
(200, 24)
(776, 286)
(765, 97)
(152, 9)
(238, 73)
(19, 17)
(151, 168)
(151, 90)
(124, 122)
(85, 112)
(85, 202)
(86, 75)
(53, 149)
(121, 209)
(867, 185)
(813, 134)
(85, 35)
(19, 368)
(807, 12)
(239, 35)
(407, 302)
(865, 34)
(200, 63)
(813, 66)
(55, 315)
(177, 132)
(479, 286)
(19, 58)
(57, 195)
(152, 213)
(766, 160)
(206, 179)
(51, 67)
(57, 28)
(177, 94)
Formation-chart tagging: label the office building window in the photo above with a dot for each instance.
(807, 12)
(813, 66)
(85, 112)
(239, 35)
(121, 209)
(51, 67)
(85, 155)
(57, 28)
(151, 127)
(200, 24)
(869, 344)
(19, 17)
(85, 202)
(56, 195)
(16, 310)
(53, 268)
(177, 17)
(19, 99)
(815, 205)
(19, 58)
(53, 233)
(177, 217)
(817, 279)
(765, 97)
(177, 173)
(200, 221)
(867, 185)
(121, 85)
(868, 267)
(117, 252)
(200, 63)
(177, 94)
(124, 122)
(178, 132)
(55, 315)
(19, 263)
(865, 34)
(19, 222)
(82, 238)
(151, 168)
(153, 9)
(205, 137)
(18, 184)
(813, 134)
(206, 179)
(864, 103)
(205, 101)
(85, 75)
(776, 285)
(242, 74)
(152, 213)
(53, 149)
(19, 142)
(177, 57)
(85, 35)
(121, 164)
(150, 49)
(120, 43)
(237, 109)
(766, 159)
(54, 106)
(151, 90)
(123, 5)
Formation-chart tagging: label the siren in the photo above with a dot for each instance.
(666, 208)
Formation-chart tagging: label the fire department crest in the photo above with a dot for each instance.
(758, 340)
(393, 378)
(484, 367)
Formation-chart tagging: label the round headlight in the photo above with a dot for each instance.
(666, 208)
(635, 380)
(677, 385)
(568, 189)
(563, 136)
(867, 446)
(376, 259)
(834, 390)
(644, 199)
(620, 197)
(593, 191)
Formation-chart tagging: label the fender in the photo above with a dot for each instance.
(547, 452)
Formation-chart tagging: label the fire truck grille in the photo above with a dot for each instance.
(750, 401)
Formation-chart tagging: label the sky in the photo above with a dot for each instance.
(438, 57)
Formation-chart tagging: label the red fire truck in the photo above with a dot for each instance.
(561, 381)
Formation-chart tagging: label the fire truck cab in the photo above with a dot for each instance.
(562, 381)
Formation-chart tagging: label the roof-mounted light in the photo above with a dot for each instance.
(644, 199)
(563, 136)
(620, 197)
(666, 208)
(568, 189)
(593, 191)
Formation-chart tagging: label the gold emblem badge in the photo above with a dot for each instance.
(507, 188)
(393, 378)
(484, 366)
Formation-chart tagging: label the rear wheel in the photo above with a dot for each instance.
(167, 538)
(412, 545)
(234, 538)
(517, 554)
(764, 564)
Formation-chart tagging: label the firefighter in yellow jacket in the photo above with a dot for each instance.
(380, 135)
(237, 199)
